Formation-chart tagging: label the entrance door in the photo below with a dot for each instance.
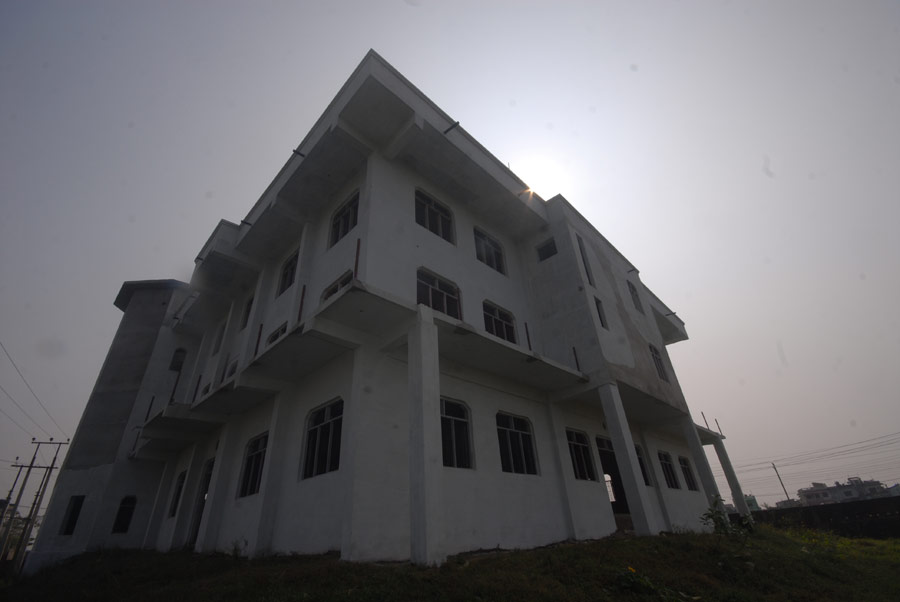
(610, 468)
(200, 504)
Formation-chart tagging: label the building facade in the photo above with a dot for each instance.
(401, 353)
(854, 489)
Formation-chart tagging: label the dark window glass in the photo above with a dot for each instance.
(580, 452)
(438, 294)
(488, 251)
(254, 458)
(345, 279)
(288, 273)
(665, 461)
(642, 464)
(432, 215)
(176, 494)
(323, 439)
(245, 317)
(73, 511)
(689, 479)
(546, 250)
(601, 313)
(635, 298)
(455, 434)
(177, 362)
(344, 220)
(499, 322)
(516, 444)
(584, 260)
(123, 516)
(658, 362)
(217, 343)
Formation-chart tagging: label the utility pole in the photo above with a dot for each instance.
(9, 495)
(12, 516)
(19, 557)
(780, 481)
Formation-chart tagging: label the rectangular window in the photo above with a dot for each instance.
(665, 460)
(323, 439)
(499, 322)
(489, 251)
(288, 273)
(584, 260)
(580, 452)
(176, 494)
(245, 316)
(455, 434)
(337, 285)
(689, 479)
(70, 518)
(600, 313)
(658, 362)
(220, 335)
(546, 250)
(344, 219)
(435, 217)
(516, 444)
(123, 516)
(254, 458)
(635, 298)
(642, 464)
(438, 294)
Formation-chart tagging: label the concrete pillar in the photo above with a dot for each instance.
(737, 495)
(272, 477)
(208, 536)
(160, 506)
(700, 462)
(425, 452)
(626, 458)
(561, 455)
(183, 517)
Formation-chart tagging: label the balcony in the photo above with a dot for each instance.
(173, 429)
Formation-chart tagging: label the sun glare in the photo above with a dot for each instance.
(544, 175)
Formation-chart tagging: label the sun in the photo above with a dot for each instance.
(544, 175)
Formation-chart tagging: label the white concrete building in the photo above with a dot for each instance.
(400, 353)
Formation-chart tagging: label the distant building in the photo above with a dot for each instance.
(854, 489)
(752, 504)
(400, 353)
(788, 504)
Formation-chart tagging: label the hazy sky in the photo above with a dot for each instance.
(744, 155)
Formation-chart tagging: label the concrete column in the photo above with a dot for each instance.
(626, 458)
(737, 495)
(561, 454)
(425, 452)
(272, 477)
(208, 536)
(703, 470)
(183, 517)
(160, 506)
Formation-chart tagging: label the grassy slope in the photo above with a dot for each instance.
(769, 565)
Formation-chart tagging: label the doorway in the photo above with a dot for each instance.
(200, 503)
(610, 469)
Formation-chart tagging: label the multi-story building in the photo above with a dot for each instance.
(400, 353)
(854, 489)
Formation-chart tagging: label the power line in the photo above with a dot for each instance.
(32, 390)
(14, 422)
(27, 415)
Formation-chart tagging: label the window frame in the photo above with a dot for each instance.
(454, 428)
(344, 219)
(659, 363)
(124, 515)
(288, 274)
(335, 287)
(73, 512)
(491, 321)
(690, 480)
(245, 315)
(668, 469)
(519, 440)
(584, 259)
(426, 206)
(489, 251)
(253, 465)
(332, 421)
(219, 339)
(581, 455)
(642, 463)
(176, 494)
(438, 282)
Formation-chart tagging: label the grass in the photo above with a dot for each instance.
(770, 564)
